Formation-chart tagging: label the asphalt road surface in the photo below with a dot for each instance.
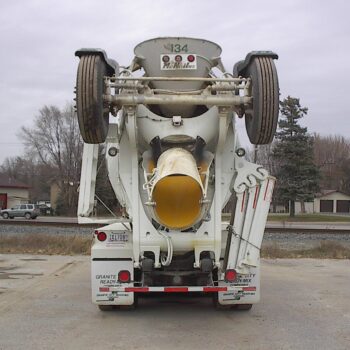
(45, 304)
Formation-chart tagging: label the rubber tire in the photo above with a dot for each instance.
(133, 306)
(92, 112)
(5, 215)
(243, 307)
(27, 216)
(117, 307)
(239, 307)
(106, 307)
(120, 307)
(219, 306)
(261, 120)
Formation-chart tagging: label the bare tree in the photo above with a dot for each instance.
(55, 141)
(332, 155)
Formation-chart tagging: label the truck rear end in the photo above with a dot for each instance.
(174, 161)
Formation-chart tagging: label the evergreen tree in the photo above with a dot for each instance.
(297, 175)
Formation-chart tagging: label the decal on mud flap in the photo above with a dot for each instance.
(103, 281)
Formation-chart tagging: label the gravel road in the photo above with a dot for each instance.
(45, 304)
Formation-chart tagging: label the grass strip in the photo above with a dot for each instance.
(323, 250)
(45, 244)
(80, 245)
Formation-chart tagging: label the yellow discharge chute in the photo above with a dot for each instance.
(177, 191)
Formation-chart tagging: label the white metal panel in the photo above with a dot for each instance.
(113, 167)
(250, 254)
(87, 180)
(125, 169)
(151, 125)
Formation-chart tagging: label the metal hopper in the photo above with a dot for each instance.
(153, 56)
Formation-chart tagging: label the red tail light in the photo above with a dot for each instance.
(101, 236)
(190, 58)
(230, 275)
(124, 276)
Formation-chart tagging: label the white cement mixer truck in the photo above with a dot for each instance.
(174, 161)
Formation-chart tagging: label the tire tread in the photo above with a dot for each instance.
(261, 122)
(92, 114)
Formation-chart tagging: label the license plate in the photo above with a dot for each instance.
(118, 237)
(178, 61)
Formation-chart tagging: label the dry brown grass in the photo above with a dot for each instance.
(45, 244)
(80, 245)
(324, 250)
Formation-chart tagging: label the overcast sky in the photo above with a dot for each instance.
(38, 40)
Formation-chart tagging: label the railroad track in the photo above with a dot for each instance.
(46, 223)
(270, 228)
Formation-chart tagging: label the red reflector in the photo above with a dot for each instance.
(101, 236)
(137, 289)
(190, 58)
(214, 289)
(175, 290)
(230, 275)
(124, 276)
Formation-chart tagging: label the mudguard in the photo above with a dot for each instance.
(241, 66)
(112, 65)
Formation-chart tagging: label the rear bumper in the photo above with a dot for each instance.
(172, 289)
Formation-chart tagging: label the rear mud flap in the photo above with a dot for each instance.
(250, 293)
(104, 275)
